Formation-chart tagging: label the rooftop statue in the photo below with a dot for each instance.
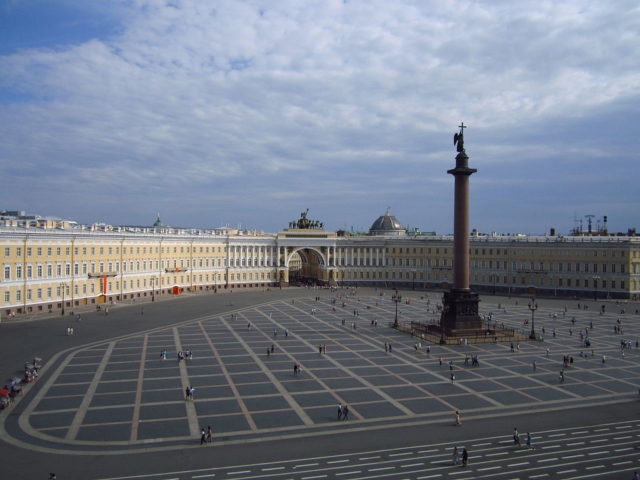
(305, 223)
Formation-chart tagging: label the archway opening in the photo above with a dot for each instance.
(306, 267)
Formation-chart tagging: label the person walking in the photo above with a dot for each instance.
(203, 437)
(340, 411)
(209, 434)
(465, 457)
(455, 458)
(528, 441)
(345, 412)
(516, 438)
(458, 420)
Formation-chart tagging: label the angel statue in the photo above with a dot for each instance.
(458, 138)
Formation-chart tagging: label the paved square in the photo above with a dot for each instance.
(244, 380)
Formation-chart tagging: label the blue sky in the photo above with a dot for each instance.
(248, 112)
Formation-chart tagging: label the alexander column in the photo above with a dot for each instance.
(460, 304)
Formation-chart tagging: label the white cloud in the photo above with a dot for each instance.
(199, 95)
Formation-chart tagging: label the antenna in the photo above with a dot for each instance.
(589, 219)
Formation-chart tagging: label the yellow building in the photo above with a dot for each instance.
(54, 269)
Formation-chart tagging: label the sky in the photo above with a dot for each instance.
(247, 112)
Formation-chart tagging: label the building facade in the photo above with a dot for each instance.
(53, 270)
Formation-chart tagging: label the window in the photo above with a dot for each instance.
(7, 296)
(7, 252)
(29, 271)
(7, 272)
(28, 251)
(19, 251)
(49, 252)
(39, 250)
(18, 271)
(39, 271)
(49, 270)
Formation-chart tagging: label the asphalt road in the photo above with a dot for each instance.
(46, 337)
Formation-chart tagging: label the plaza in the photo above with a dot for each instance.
(119, 395)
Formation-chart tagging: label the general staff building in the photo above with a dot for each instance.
(49, 268)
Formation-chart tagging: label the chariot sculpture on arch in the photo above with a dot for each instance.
(304, 223)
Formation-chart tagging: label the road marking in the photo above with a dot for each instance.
(547, 460)
(557, 435)
(579, 432)
(497, 454)
(348, 473)
(601, 440)
(412, 465)
(304, 465)
(209, 475)
(135, 420)
(271, 469)
(598, 453)
(88, 396)
(621, 427)
(517, 464)
(369, 458)
(573, 456)
(314, 477)
(400, 454)
(540, 475)
(338, 461)
(497, 467)
(567, 471)
(238, 472)
(379, 469)
(623, 449)
(429, 476)
(594, 467)
(575, 443)
(623, 438)
(428, 451)
(190, 407)
(622, 463)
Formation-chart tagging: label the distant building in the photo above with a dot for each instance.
(44, 268)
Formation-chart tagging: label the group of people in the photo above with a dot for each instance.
(186, 355)
(343, 412)
(206, 437)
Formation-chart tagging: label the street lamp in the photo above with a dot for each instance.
(153, 289)
(397, 298)
(62, 286)
(443, 313)
(533, 306)
(595, 287)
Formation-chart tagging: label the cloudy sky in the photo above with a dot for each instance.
(220, 112)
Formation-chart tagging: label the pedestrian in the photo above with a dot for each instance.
(203, 436)
(528, 441)
(516, 438)
(465, 457)
(345, 412)
(453, 377)
(390, 349)
(295, 369)
(534, 365)
(71, 331)
(455, 458)
(52, 476)
(561, 376)
(458, 420)
(340, 411)
(209, 434)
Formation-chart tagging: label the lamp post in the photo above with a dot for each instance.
(445, 310)
(153, 289)
(397, 298)
(533, 306)
(595, 287)
(62, 286)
